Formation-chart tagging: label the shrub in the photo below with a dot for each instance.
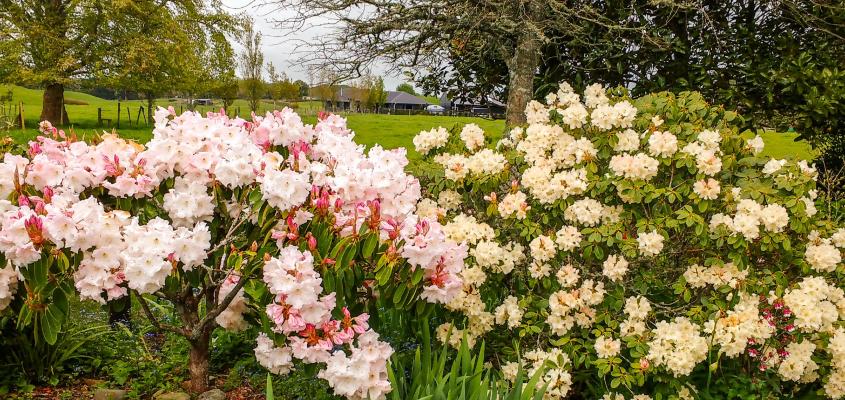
(645, 245)
(289, 227)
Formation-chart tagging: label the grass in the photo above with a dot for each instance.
(390, 131)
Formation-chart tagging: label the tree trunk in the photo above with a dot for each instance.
(199, 362)
(150, 106)
(53, 107)
(521, 69)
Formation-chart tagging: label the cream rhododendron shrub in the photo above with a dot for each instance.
(643, 246)
(294, 227)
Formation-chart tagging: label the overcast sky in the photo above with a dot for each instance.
(279, 45)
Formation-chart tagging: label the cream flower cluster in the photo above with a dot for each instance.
(466, 228)
(497, 258)
(677, 345)
(514, 204)
(716, 275)
(637, 309)
(749, 217)
(650, 243)
(662, 144)
(733, 331)
(473, 136)
(509, 312)
(568, 308)
(607, 347)
(835, 385)
(426, 141)
(816, 304)
(548, 187)
(615, 267)
(638, 166)
(568, 238)
(823, 256)
(707, 189)
(798, 364)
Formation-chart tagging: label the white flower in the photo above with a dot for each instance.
(509, 312)
(277, 360)
(823, 257)
(607, 347)
(615, 267)
(639, 166)
(707, 189)
(595, 96)
(663, 144)
(542, 248)
(574, 116)
(628, 140)
(568, 238)
(8, 285)
(473, 136)
(514, 204)
(650, 243)
(756, 144)
(798, 362)
(773, 166)
(427, 141)
(285, 189)
(678, 346)
(585, 211)
(774, 217)
(449, 200)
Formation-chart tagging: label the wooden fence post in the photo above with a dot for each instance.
(129, 116)
(23, 123)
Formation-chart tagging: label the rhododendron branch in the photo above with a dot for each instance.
(220, 307)
(153, 320)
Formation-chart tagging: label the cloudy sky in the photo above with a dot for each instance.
(280, 46)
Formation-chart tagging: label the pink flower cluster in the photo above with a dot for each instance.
(427, 247)
(313, 336)
(68, 194)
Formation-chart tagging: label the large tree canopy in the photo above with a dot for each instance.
(422, 34)
(52, 43)
(778, 62)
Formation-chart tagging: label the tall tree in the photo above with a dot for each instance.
(407, 88)
(274, 80)
(304, 89)
(52, 43)
(220, 61)
(173, 49)
(420, 34)
(377, 96)
(251, 65)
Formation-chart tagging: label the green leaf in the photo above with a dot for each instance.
(369, 246)
(269, 391)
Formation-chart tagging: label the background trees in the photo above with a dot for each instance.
(251, 65)
(55, 42)
(421, 34)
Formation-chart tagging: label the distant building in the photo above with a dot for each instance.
(346, 98)
(404, 101)
(489, 106)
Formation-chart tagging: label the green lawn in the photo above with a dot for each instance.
(391, 131)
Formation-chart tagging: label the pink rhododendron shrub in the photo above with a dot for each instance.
(640, 248)
(292, 227)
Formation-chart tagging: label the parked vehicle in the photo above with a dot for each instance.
(435, 109)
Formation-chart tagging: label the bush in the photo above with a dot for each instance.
(644, 244)
(287, 227)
